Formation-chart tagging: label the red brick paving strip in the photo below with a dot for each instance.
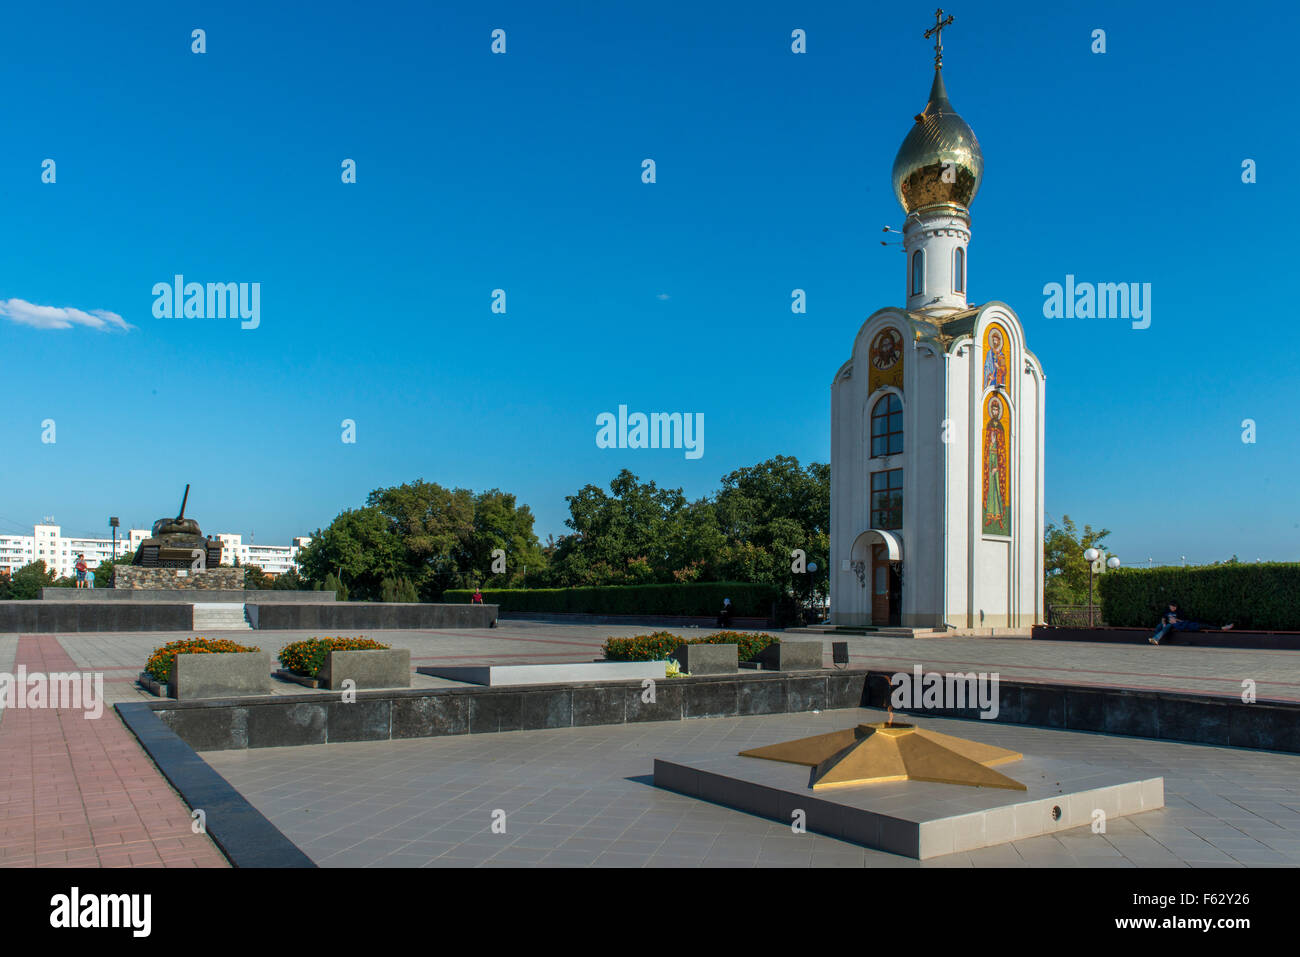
(77, 792)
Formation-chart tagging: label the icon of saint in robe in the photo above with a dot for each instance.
(995, 506)
(995, 363)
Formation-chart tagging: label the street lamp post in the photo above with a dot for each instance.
(112, 522)
(1094, 559)
(812, 570)
(1090, 556)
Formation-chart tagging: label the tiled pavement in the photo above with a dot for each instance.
(1167, 668)
(80, 792)
(76, 791)
(581, 797)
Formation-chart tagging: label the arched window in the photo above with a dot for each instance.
(887, 426)
(918, 273)
(959, 270)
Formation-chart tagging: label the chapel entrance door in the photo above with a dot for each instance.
(881, 574)
(895, 594)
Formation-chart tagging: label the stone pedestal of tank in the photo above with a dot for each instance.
(177, 579)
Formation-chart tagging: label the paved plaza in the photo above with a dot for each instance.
(82, 792)
(120, 656)
(582, 797)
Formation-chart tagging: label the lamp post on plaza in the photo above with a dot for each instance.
(1094, 559)
(112, 522)
(812, 570)
(1091, 557)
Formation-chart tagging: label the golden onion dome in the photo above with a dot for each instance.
(939, 141)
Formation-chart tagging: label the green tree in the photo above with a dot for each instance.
(635, 532)
(432, 537)
(766, 512)
(104, 573)
(501, 523)
(359, 548)
(400, 589)
(289, 581)
(1065, 572)
(27, 582)
(333, 584)
(255, 579)
(432, 527)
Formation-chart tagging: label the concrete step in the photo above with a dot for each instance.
(220, 616)
(867, 631)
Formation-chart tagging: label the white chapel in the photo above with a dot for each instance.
(937, 421)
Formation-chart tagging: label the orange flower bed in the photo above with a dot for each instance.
(308, 657)
(159, 664)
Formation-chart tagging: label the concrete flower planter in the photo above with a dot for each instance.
(705, 659)
(377, 668)
(792, 655)
(220, 675)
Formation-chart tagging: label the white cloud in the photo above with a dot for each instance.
(60, 317)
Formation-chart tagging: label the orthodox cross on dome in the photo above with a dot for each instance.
(936, 31)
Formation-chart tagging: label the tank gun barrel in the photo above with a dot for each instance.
(184, 500)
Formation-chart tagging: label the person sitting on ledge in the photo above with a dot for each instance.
(1170, 621)
(724, 616)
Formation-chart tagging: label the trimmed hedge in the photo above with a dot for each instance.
(159, 664)
(1263, 597)
(658, 645)
(695, 598)
(308, 657)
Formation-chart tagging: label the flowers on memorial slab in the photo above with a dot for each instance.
(308, 657)
(159, 664)
(674, 669)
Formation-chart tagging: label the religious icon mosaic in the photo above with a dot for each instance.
(997, 357)
(886, 357)
(996, 465)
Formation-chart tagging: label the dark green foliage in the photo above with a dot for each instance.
(639, 533)
(400, 589)
(660, 645)
(436, 538)
(256, 579)
(333, 584)
(27, 582)
(656, 646)
(289, 581)
(698, 598)
(748, 643)
(1065, 573)
(1263, 596)
(104, 573)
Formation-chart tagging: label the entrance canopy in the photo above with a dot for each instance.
(893, 542)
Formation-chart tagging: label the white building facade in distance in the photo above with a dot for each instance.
(47, 543)
(937, 423)
(272, 559)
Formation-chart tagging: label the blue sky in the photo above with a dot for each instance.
(523, 172)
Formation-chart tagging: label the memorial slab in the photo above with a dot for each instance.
(499, 675)
(918, 819)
